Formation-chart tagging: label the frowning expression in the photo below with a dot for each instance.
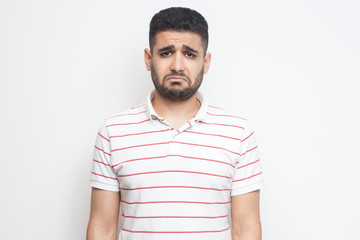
(177, 64)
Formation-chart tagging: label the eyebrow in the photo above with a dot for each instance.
(170, 47)
(190, 49)
(167, 48)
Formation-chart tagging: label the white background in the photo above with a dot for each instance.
(291, 67)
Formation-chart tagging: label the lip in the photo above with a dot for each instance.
(177, 79)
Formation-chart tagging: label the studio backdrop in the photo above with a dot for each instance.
(290, 67)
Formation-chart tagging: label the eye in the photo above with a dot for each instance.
(189, 55)
(166, 54)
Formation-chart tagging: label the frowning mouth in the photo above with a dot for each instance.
(177, 79)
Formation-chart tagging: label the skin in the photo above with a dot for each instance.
(174, 53)
(245, 217)
(104, 215)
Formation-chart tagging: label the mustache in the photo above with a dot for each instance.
(177, 74)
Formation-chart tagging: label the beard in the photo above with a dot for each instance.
(175, 92)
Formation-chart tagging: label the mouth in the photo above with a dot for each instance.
(177, 79)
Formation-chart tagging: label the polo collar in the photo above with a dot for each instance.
(200, 115)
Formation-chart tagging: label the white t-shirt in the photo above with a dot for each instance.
(176, 184)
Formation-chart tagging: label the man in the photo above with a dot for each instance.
(175, 164)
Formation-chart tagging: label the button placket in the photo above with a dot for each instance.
(172, 145)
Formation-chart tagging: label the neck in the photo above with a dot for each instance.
(175, 112)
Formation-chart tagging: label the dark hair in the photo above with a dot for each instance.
(179, 19)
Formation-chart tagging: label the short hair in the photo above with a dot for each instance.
(179, 19)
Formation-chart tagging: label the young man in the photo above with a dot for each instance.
(175, 164)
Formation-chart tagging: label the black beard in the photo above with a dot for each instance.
(174, 93)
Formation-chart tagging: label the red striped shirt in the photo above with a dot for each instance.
(176, 181)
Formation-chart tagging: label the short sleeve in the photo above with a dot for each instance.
(248, 175)
(103, 175)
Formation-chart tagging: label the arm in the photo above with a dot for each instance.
(104, 215)
(245, 217)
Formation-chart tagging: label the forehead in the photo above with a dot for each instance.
(175, 38)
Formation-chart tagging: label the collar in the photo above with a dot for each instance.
(200, 115)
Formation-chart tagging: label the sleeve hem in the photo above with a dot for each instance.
(104, 186)
(253, 187)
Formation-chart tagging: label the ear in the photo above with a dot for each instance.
(147, 58)
(207, 61)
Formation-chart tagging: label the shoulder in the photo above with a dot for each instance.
(220, 114)
(132, 114)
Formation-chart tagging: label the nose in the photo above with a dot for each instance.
(177, 64)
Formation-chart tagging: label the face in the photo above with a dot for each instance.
(177, 64)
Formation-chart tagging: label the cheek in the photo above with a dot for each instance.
(195, 69)
(161, 68)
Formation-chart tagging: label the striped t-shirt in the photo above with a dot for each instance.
(176, 183)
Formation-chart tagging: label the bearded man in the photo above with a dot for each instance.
(175, 165)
